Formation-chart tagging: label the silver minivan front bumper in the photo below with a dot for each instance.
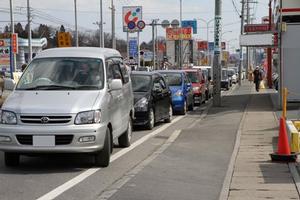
(96, 131)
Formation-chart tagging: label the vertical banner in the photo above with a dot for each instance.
(217, 48)
(133, 48)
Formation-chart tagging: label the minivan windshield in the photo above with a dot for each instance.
(140, 83)
(193, 77)
(173, 79)
(63, 74)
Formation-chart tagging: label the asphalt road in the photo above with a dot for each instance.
(180, 160)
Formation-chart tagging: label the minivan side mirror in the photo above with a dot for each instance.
(9, 84)
(116, 84)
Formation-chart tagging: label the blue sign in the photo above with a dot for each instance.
(190, 23)
(133, 48)
(211, 46)
(131, 25)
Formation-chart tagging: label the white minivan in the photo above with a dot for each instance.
(69, 100)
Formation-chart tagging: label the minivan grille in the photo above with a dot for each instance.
(59, 139)
(46, 119)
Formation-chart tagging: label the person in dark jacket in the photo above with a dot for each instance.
(257, 74)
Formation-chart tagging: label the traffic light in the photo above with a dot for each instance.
(64, 39)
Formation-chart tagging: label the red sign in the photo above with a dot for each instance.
(202, 45)
(14, 41)
(250, 28)
(179, 33)
(2, 43)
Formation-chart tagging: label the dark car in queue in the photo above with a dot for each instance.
(152, 99)
(181, 88)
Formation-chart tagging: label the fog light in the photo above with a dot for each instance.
(5, 139)
(90, 138)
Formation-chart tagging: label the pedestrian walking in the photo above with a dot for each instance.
(257, 77)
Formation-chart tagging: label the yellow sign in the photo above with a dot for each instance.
(179, 33)
(64, 39)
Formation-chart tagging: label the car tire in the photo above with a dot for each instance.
(169, 119)
(151, 120)
(11, 159)
(125, 138)
(102, 158)
(184, 109)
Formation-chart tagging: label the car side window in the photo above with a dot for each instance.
(157, 85)
(109, 74)
(124, 73)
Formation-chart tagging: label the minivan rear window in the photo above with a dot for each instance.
(63, 74)
(173, 79)
(193, 76)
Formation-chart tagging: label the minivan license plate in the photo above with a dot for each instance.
(43, 141)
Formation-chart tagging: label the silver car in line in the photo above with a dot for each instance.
(69, 100)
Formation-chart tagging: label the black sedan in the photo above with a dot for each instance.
(152, 99)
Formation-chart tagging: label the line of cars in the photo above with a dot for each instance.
(81, 100)
(229, 76)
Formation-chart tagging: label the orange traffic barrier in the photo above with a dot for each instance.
(283, 152)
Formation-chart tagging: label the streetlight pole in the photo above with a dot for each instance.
(101, 39)
(217, 51)
(113, 35)
(29, 31)
(12, 29)
(76, 28)
(180, 38)
(207, 33)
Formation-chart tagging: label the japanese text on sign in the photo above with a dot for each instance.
(179, 33)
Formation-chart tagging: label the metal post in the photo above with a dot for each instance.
(76, 28)
(180, 39)
(153, 44)
(127, 34)
(156, 47)
(101, 25)
(138, 56)
(29, 32)
(217, 62)
(247, 49)
(12, 29)
(241, 48)
(113, 35)
(269, 51)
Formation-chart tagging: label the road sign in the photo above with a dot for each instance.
(131, 25)
(14, 41)
(165, 23)
(133, 48)
(190, 23)
(179, 33)
(141, 24)
(64, 39)
(131, 13)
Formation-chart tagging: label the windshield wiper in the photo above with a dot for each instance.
(49, 87)
(84, 87)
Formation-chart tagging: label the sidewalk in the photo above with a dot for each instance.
(254, 175)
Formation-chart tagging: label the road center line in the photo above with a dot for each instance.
(84, 175)
(128, 176)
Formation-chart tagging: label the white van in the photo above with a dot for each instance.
(69, 100)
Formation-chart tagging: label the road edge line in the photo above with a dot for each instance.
(228, 177)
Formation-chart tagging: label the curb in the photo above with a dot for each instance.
(228, 177)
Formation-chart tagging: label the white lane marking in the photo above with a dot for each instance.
(131, 174)
(74, 181)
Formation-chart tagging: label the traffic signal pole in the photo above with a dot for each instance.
(217, 60)
(241, 48)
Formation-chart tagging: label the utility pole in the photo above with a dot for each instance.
(241, 48)
(12, 29)
(217, 101)
(101, 39)
(153, 43)
(180, 39)
(29, 31)
(248, 49)
(269, 51)
(113, 34)
(76, 28)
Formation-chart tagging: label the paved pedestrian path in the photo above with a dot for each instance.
(254, 175)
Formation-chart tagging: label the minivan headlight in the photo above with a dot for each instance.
(88, 117)
(141, 105)
(8, 117)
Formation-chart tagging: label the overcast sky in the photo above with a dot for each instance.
(88, 13)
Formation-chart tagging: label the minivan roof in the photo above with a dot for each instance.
(88, 52)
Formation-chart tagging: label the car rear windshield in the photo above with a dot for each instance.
(173, 79)
(193, 77)
(224, 74)
(63, 74)
(140, 83)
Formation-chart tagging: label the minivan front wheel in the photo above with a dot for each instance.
(170, 115)
(102, 158)
(125, 138)
(11, 159)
